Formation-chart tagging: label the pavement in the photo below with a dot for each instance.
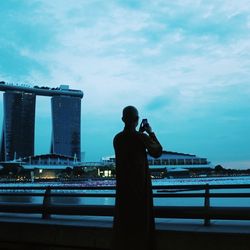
(29, 231)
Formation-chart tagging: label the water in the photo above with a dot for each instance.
(236, 202)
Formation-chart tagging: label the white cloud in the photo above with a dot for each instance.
(183, 51)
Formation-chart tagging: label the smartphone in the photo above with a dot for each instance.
(144, 122)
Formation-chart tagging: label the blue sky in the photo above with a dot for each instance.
(184, 64)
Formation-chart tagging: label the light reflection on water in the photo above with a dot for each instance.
(236, 202)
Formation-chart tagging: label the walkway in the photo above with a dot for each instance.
(90, 232)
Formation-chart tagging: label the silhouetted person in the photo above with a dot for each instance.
(134, 221)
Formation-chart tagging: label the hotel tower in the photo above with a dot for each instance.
(19, 121)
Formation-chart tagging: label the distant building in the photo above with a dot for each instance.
(19, 120)
(48, 161)
(169, 160)
(66, 125)
(48, 166)
(108, 160)
(171, 164)
(176, 160)
(18, 125)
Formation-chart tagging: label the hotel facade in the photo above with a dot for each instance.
(19, 120)
(18, 125)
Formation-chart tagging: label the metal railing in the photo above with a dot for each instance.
(205, 212)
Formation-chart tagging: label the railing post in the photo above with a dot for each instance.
(207, 205)
(46, 203)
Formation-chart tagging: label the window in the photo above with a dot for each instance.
(203, 161)
(196, 161)
(188, 162)
(172, 162)
(165, 162)
(180, 162)
(157, 162)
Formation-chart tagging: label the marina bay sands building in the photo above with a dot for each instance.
(18, 126)
(19, 120)
(66, 119)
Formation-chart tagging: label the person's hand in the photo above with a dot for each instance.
(141, 128)
(144, 126)
(148, 128)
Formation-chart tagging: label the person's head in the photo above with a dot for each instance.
(130, 116)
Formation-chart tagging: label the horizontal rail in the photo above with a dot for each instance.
(206, 212)
(184, 212)
(202, 195)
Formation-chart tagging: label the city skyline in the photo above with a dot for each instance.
(184, 65)
(18, 131)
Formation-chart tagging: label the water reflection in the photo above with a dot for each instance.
(180, 201)
(21, 199)
(65, 200)
(98, 201)
(236, 202)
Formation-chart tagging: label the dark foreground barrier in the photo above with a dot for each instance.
(205, 212)
(25, 232)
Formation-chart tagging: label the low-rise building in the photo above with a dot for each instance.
(172, 164)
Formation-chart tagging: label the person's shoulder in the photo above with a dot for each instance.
(118, 135)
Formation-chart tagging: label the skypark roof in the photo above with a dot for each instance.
(43, 91)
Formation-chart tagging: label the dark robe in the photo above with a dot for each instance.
(134, 221)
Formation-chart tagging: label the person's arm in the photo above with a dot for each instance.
(151, 142)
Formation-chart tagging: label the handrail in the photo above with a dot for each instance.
(206, 212)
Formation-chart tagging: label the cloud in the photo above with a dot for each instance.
(184, 59)
(121, 55)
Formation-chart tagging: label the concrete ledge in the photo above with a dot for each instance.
(44, 234)
(88, 233)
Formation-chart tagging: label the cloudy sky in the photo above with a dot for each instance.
(185, 64)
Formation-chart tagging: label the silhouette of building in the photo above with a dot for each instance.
(172, 164)
(66, 122)
(18, 125)
(171, 159)
(19, 120)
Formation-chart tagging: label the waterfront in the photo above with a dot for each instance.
(236, 202)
